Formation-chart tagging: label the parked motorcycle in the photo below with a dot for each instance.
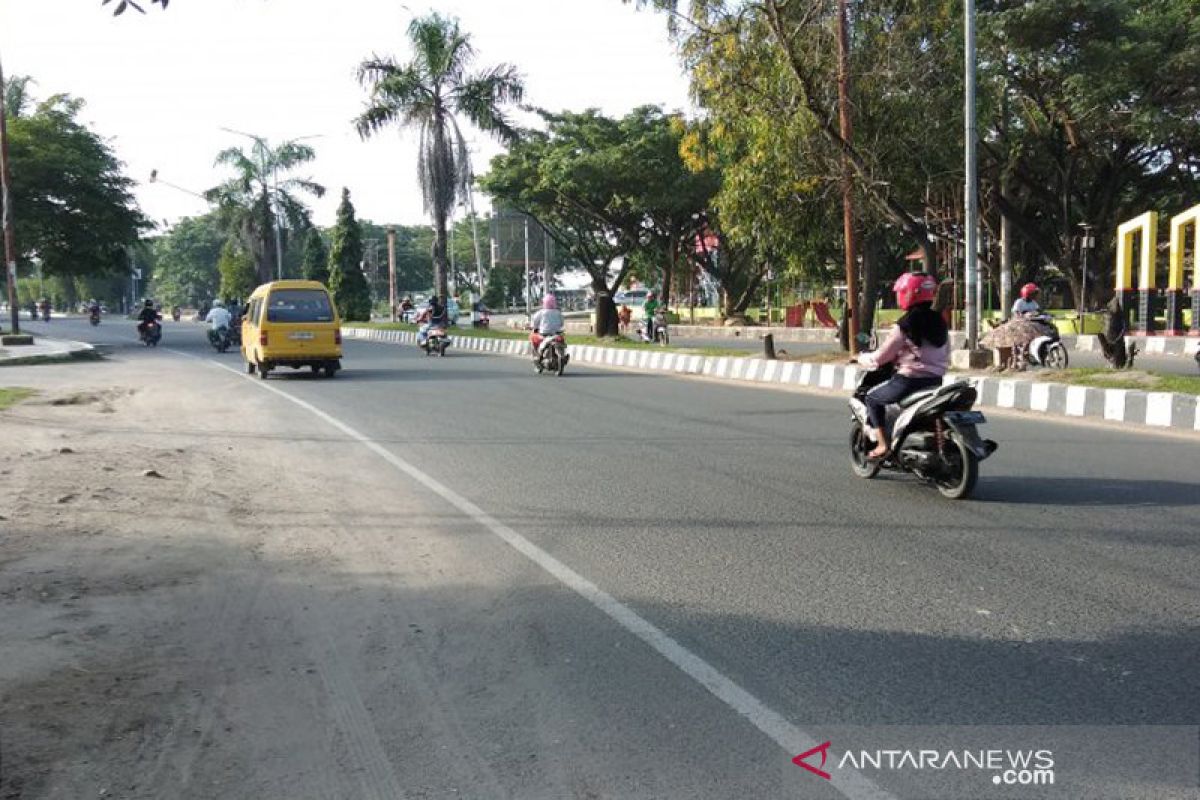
(436, 341)
(552, 354)
(662, 334)
(151, 334)
(220, 339)
(934, 435)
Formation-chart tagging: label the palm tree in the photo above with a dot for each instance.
(427, 93)
(254, 200)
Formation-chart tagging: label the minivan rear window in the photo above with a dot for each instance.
(299, 305)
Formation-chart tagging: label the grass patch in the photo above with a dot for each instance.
(572, 338)
(1146, 381)
(12, 395)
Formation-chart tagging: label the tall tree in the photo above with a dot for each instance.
(185, 261)
(255, 199)
(346, 279)
(584, 180)
(236, 267)
(315, 264)
(77, 212)
(430, 93)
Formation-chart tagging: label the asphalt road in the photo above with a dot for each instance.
(1065, 593)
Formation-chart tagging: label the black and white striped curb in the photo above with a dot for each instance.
(1154, 409)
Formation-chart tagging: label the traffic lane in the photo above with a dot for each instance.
(118, 333)
(729, 516)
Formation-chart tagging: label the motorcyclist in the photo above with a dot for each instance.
(649, 309)
(547, 321)
(1027, 305)
(919, 345)
(434, 316)
(93, 308)
(45, 305)
(218, 318)
(146, 316)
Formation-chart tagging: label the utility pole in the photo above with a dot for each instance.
(475, 238)
(971, 199)
(391, 244)
(10, 242)
(847, 134)
(528, 281)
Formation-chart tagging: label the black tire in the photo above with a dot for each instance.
(964, 470)
(1056, 356)
(249, 367)
(264, 368)
(330, 370)
(316, 369)
(560, 364)
(860, 445)
(442, 349)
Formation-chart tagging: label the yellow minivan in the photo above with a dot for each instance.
(291, 324)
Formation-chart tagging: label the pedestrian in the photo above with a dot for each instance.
(624, 317)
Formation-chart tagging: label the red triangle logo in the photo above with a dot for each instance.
(799, 760)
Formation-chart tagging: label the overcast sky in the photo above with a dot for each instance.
(161, 86)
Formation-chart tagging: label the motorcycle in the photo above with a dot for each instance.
(661, 333)
(94, 316)
(220, 339)
(552, 354)
(436, 341)
(482, 319)
(1048, 350)
(151, 334)
(934, 435)
(176, 313)
(46, 313)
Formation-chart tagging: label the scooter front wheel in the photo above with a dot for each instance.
(860, 446)
(1056, 356)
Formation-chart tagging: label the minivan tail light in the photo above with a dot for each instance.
(337, 336)
(262, 339)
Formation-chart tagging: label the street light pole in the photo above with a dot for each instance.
(847, 134)
(10, 244)
(971, 200)
(1086, 243)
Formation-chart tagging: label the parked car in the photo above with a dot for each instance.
(632, 297)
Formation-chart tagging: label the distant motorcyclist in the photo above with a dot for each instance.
(219, 319)
(45, 305)
(434, 316)
(919, 345)
(547, 321)
(146, 316)
(648, 310)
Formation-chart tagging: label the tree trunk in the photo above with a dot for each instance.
(441, 282)
(669, 272)
(606, 310)
(869, 285)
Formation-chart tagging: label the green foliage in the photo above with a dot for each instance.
(186, 261)
(315, 263)
(236, 268)
(430, 93)
(257, 198)
(74, 211)
(346, 280)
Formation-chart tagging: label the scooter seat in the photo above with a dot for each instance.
(916, 397)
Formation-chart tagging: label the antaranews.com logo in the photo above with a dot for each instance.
(1020, 767)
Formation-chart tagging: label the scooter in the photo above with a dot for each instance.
(933, 433)
(436, 341)
(151, 334)
(552, 354)
(661, 334)
(1047, 351)
(220, 339)
(94, 316)
(482, 319)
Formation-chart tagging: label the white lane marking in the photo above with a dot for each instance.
(793, 740)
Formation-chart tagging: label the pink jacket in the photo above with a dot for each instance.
(925, 361)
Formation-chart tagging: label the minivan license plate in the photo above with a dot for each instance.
(301, 335)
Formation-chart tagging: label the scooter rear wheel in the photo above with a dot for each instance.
(963, 472)
(860, 445)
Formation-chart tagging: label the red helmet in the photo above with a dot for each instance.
(1029, 290)
(914, 287)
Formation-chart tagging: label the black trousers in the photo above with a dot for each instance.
(895, 389)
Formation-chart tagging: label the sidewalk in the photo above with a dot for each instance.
(1179, 412)
(44, 351)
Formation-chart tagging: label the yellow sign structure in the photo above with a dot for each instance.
(1147, 226)
(1179, 226)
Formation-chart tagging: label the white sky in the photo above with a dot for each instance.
(162, 85)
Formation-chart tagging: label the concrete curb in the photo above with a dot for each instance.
(46, 351)
(1122, 406)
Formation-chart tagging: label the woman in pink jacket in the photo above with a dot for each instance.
(919, 346)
